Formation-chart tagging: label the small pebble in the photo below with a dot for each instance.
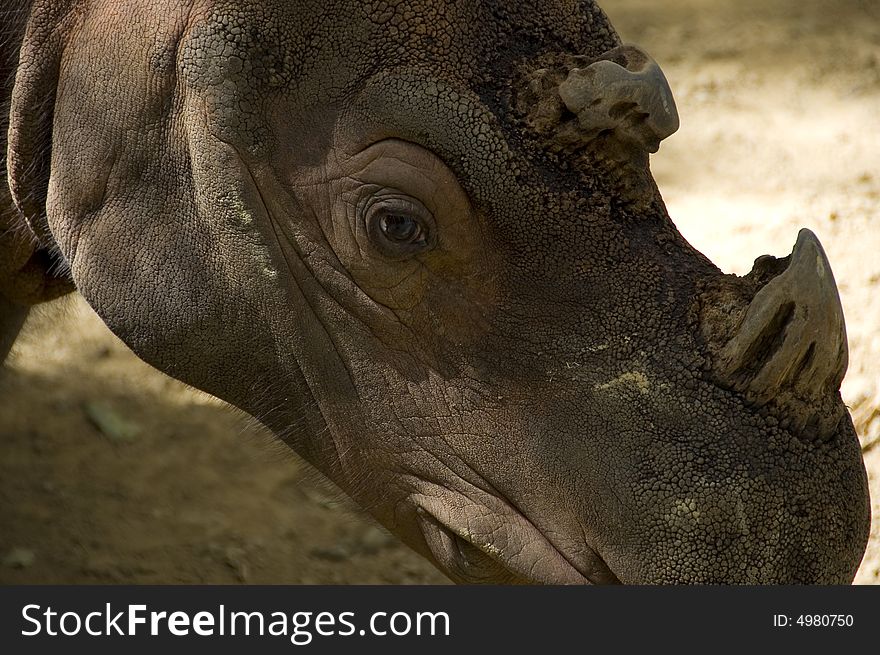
(111, 423)
(19, 558)
(337, 553)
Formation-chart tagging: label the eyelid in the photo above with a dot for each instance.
(411, 166)
(400, 201)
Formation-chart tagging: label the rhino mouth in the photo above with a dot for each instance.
(471, 545)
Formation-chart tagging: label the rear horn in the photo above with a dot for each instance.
(625, 91)
(623, 94)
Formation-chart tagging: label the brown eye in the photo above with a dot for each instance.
(400, 228)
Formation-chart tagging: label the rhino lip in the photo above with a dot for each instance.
(599, 573)
(590, 565)
(468, 557)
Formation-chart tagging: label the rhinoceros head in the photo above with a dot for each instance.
(420, 241)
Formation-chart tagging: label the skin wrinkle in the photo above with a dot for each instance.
(341, 459)
(483, 485)
(31, 267)
(331, 238)
(353, 173)
(367, 324)
(314, 311)
(305, 259)
(476, 536)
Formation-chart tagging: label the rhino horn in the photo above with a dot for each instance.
(791, 347)
(625, 92)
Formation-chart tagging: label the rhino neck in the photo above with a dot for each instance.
(13, 19)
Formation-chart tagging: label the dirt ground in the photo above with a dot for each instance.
(112, 472)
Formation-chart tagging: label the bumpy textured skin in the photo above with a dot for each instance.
(531, 401)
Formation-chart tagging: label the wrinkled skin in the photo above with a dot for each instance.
(527, 392)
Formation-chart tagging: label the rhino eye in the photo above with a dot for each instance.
(398, 226)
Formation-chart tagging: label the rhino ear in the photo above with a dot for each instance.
(31, 269)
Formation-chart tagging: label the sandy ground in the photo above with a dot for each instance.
(112, 472)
